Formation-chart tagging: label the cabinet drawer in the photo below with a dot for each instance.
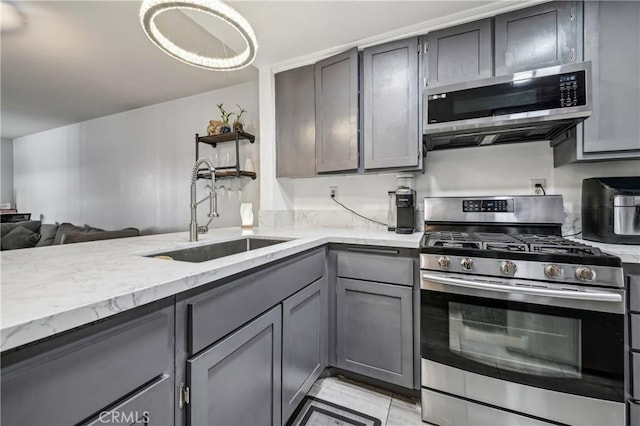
(152, 406)
(74, 381)
(377, 264)
(218, 312)
(634, 293)
(441, 409)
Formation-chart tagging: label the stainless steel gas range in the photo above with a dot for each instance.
(518, 324)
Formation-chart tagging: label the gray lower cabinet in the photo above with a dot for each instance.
(93, 371)
(634, 413)
(536, 37)
(336, 100)
(391, 118)
(237, 381)
(304, 343)
(295, 122)
(611, 35)
(460, 54)
(375, 330)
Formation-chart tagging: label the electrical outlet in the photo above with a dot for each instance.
(333, 191)
(534, 186)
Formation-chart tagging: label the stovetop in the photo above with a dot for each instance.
(515, 246)
(517, 238)
(549, 244)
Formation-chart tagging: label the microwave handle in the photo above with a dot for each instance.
(565, 294)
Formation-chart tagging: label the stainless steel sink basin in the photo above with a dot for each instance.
(217, 250)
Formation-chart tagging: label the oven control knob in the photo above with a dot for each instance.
(508, 268)
(584, 273)
(466, 264)
(552, 271)
(444, 262)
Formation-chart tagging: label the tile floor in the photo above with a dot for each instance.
(390, 408)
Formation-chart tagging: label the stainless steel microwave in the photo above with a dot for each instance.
(535, 105)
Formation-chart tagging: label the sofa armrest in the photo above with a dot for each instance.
(80, 237)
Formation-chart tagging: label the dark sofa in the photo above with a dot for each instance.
(33, 233)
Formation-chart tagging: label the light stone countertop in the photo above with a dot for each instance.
(48, 290)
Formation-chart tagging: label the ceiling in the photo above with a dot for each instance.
(77, 60)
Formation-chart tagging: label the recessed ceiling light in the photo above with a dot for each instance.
(150, 9)
(12, 18)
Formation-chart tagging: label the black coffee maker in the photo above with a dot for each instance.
(405, 205)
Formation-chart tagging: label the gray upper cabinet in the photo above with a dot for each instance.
(295, 122)
(536, 37)
(304, 343)
(461, 53)
(391, 133)
(237, 381)
(612, 34)
(336, 91)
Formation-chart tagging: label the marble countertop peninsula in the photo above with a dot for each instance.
(48, 290)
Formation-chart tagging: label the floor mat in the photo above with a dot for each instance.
(318, 412)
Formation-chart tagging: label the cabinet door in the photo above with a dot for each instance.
(304, 343)
(295, 122)
(375, 330)
(612, 34)
(337, 112)
(460, 54)
(536, 37)
(152, 406)
(391, 93)
(237, 381)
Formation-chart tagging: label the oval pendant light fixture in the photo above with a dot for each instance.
(150, 9)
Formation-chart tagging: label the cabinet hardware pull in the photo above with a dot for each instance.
(373, 250)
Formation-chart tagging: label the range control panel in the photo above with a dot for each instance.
(487, 206)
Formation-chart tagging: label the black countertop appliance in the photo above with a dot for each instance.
(406, 205)
(611, 210)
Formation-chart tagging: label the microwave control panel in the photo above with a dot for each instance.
(568, 90)
(487, 206)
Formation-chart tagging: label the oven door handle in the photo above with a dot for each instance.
(565, 294)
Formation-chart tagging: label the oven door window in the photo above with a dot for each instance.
(561, 349)
(524, 342)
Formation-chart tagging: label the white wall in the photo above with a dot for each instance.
(132, 168)
(491, 170)
(6, 171)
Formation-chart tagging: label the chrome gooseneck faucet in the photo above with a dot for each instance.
(194, 229)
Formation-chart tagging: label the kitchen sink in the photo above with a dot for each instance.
(218, 250)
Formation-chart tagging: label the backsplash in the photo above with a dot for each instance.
(572, 223)
(347, 220)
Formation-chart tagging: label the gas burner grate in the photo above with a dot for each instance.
(452, 240)
(511, 243)
(553, 244)
(500, 242)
